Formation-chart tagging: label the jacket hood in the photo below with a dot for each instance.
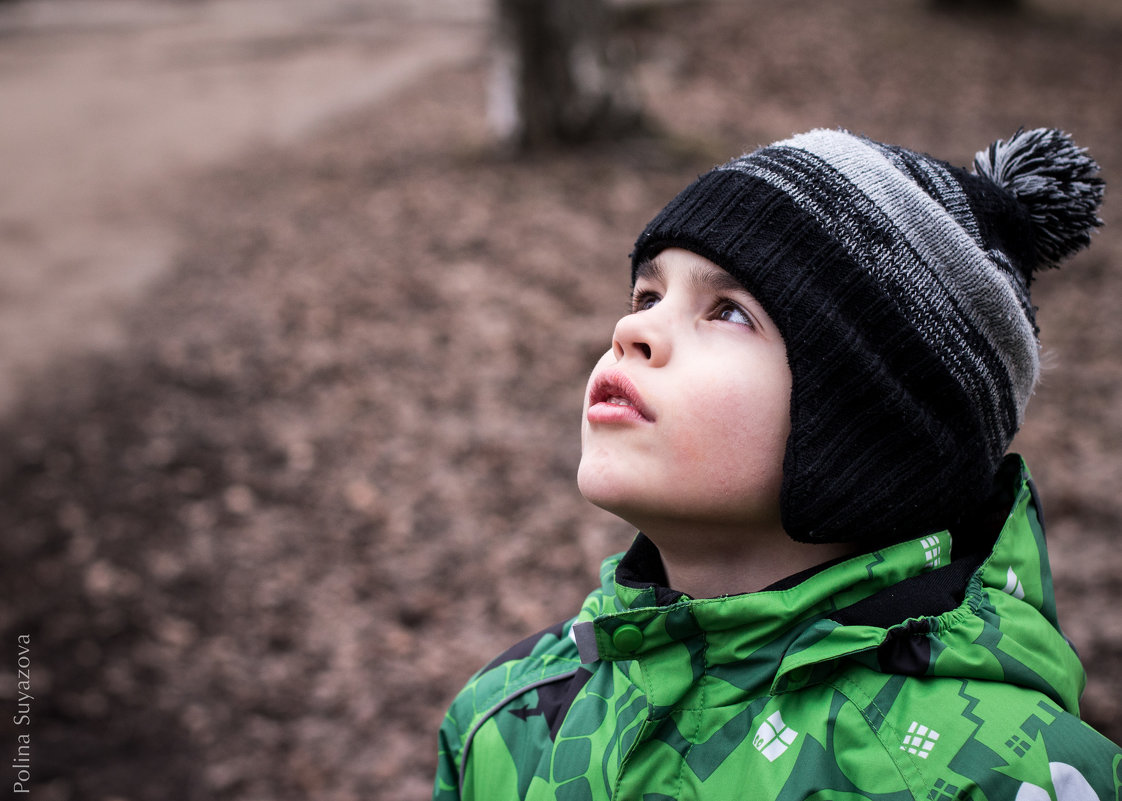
(973, 603)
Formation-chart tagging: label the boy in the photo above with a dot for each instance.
(840, 588)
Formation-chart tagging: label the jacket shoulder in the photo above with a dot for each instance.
(544, 669)
(950, 737)
(546, 658)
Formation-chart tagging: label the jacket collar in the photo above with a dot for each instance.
(996, 588)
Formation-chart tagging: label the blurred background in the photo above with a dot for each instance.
(295, 317)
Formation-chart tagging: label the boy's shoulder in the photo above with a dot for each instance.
(541, 675)
(548, 655)
(545, 656)
(950, 738)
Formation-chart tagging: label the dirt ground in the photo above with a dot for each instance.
(327, 470)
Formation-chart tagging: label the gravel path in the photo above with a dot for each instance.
(109, 108)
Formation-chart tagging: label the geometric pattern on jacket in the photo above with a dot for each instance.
(932, 669)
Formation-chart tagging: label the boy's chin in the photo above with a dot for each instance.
(600, 493)
(594, 497)
(638, 512)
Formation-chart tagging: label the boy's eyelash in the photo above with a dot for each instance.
(637, 299)
(729, 303)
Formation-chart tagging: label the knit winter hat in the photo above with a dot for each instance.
(900, 285)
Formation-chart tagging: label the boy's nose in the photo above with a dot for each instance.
(637, 336)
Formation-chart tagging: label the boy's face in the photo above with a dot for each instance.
(686, 418)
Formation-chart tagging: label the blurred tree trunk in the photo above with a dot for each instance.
(557, 79)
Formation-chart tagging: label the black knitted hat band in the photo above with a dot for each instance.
(901, 287)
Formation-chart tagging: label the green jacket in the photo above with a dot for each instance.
(913, 672)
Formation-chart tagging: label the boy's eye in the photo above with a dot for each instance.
(732, 313)
(642, 301)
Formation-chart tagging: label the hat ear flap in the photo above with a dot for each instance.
(1057, 184)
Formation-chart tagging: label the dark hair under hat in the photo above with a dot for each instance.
(901, 287)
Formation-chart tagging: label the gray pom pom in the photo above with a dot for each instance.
(1057, 183)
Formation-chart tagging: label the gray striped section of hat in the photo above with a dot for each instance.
(891, 260)
(978, 285)
(933, 177)
(959, 301)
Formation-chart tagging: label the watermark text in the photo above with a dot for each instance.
(21, 762)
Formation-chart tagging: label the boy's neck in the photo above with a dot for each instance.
(710, 563)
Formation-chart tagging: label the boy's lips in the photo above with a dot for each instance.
(613, 398)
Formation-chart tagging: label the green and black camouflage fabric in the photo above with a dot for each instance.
(918, 671)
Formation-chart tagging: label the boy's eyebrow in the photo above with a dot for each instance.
(649, 270)
(700, 279)
(716, 281)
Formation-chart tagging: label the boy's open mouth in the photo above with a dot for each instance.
(616, 392)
